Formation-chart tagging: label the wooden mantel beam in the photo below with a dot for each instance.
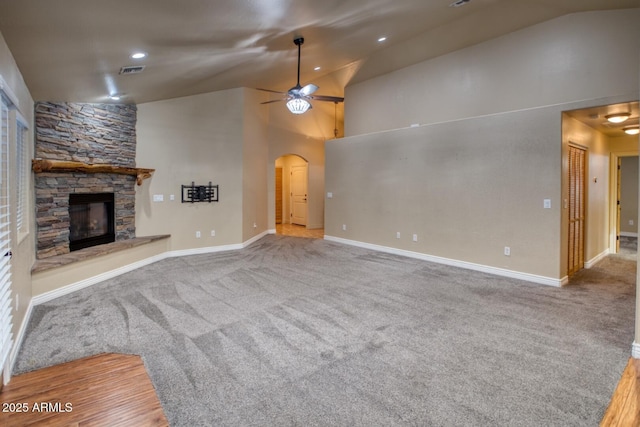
(44, 165)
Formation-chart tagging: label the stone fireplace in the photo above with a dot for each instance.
(94, 134)
(91, 220)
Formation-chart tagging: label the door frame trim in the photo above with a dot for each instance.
(613, 182)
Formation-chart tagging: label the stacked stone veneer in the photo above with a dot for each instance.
(90, 133)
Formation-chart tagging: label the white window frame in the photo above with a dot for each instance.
(8, 101)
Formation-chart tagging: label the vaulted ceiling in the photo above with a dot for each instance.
(73, 50)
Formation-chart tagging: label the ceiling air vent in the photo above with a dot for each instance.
(132, 69)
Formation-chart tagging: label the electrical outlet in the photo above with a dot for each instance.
(415, 237)
(507, 251)
(398, 235)
(172, 197)
(630, 222)
(198, 235)
(213, 233)
(344, 227)
(255, 225)
(547, 203)
(329, 195)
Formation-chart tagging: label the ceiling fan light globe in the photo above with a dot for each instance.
(298, 105)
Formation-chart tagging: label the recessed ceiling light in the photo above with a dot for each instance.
(381, 39)
(138, 55)
(617, 118)
(316, 69)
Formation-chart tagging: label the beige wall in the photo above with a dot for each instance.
(472, 179)
(461, 186)
(580, 56)
(23, 246)
(255, 150)
(200, 139)
(629, 195)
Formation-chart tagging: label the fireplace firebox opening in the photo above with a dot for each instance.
(91, 217)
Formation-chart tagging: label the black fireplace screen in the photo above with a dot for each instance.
(91, 220)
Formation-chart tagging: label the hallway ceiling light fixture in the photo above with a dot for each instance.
(618, 117)
(632, 130)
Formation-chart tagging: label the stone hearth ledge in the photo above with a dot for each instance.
(93, 252)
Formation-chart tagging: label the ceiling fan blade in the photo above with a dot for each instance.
(327, 98)
(274, 100)
(308, 89)
(269, 90)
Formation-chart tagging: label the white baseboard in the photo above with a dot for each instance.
(48, 296)
(593, 261)
(206, 250)
(635, 350)
(628, 234)
(13, 355)
(549, 281)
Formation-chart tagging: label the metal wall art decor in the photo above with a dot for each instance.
(199, 193)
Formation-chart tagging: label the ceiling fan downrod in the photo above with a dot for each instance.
(298, 42)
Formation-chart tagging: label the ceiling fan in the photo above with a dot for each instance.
(298, 97)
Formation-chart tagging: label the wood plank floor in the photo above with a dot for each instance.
(115, 390)
(103, 390)
(624, 408)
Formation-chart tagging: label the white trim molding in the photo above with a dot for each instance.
(635, 350)
(596, 259)
(543, 280)
(13, 356)
(51, 295)
(48, 296)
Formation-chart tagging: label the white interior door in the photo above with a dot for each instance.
(299, 194)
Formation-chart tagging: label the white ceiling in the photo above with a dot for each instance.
(72, 50)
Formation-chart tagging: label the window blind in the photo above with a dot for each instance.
(22, 174)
